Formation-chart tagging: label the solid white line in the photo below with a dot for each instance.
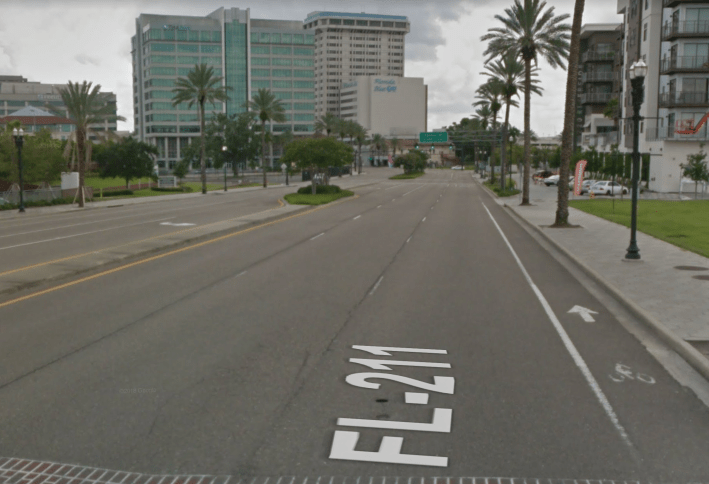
(413, 190)
(319, 235)
(84, 233)
(358, 216)
(395, 186)
(376, 285)
(578, 359)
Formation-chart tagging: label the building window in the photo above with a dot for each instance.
(281, 73)
(282, 62)
(187, 48)
(260, 61)
(260, 84)
(645, 33)
(282, 50)
(282, 84)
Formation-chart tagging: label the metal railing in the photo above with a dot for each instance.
(684, 98)
(674, 3)
(669, 133)
(598, 76)
(596, 97)
(688, 28)
(685, 63)
(598, 55)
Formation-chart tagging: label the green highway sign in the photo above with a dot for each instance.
(434, 137)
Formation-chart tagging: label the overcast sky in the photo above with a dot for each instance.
(57, 41)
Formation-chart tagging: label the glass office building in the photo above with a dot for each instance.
(248, 53)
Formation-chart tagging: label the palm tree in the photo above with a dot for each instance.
(509, 73)
(529, 30)
(360, 137)
(490, 95)
(268, 108)
(84, 106)
(327, 123)
(482, 116)
(200, 86)
(378, 142)
(567, 136)
(395, 144)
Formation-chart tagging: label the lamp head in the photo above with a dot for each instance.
(631, 70)
(640, 69)
(223, 148)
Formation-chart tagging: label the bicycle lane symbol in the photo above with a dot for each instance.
(624, 372)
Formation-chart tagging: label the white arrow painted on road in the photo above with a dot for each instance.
(176, 225)
(584, 312)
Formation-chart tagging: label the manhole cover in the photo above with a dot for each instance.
(702, 278)
(691, 268)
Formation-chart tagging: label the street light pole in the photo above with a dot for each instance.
(638, 71)
(224, 151)
(18, 142)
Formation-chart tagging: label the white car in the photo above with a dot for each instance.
(585, 186)
(608, 188)
(457, 167)
(552, 180)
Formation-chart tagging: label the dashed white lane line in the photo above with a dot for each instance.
(319, 235)
(241, 273)
(379, 206)
(409, 239)
(376, 285)
(395, 186)
(358, 216)
(570, 347)
(393, 199)
(84, 233)
(413, 190)
(424, 219)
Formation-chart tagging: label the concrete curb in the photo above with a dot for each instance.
(692, 356)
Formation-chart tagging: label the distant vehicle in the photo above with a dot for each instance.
(542, 174)
(584, 186)
(457, 167)
(607, 188)
(552, 180)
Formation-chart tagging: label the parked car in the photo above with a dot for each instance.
(457, 167)
(585, 186)
(608, 188)
(542, 174)
(552, 180)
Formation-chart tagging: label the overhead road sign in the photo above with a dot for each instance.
(433, 137)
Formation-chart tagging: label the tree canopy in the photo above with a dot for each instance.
(128, 159)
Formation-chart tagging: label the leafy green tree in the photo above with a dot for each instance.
(200, 86)
(318, 154)
(128, 159)
(268, 109)
(84, 106)
(696, 168)
(42, 159)
(530, 31)
(412, 162)
(237, 133)
(181, 169)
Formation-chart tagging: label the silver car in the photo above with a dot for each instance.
(608, 188)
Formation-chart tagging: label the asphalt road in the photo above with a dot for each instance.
(235, 357)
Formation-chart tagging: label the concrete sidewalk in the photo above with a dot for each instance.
(660, 289)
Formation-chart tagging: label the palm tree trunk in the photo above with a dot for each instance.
(202, 151)
(492, 150)
(503, 153)
(527, 132)
(562, 209)
(80, 147)
(263, 152)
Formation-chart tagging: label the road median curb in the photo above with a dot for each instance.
(691, 355)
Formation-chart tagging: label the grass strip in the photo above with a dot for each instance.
(310, 199)
(684, 224)
(407, 176)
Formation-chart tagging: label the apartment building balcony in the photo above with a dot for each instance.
(598, 76)
(685, 30)
(688, 64)
(598, 56)
(668, 133)
(596, 97)
(674, 3)
(600, 139)
(684, 99)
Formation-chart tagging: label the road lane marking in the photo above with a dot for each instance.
(184, 224)
(241, 273)
(413, 190)
(424, 219)
(319, 235)
(376, 285)
(585, 313)
(409, 239)
(570, 347)
(172, 252)
(416, 398)
(358, 216)
(395, 186)
(379, 206)
(83, 233)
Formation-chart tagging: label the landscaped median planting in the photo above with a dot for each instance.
(407, 176)
(682, 223)
(508, 192)
(323, 194)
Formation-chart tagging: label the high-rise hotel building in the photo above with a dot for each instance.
(348, 45)
(249, 54)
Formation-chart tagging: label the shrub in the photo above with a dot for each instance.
(170, 189)
(319, 189)
(115, 193)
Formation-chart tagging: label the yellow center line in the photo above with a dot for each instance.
(172, 252)
(34, 266)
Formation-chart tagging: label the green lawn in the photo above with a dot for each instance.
(406, 176)
(495, 187)
(684, 224)
(310, 199)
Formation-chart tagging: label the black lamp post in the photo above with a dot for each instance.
(18, 134)
(637, 72)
